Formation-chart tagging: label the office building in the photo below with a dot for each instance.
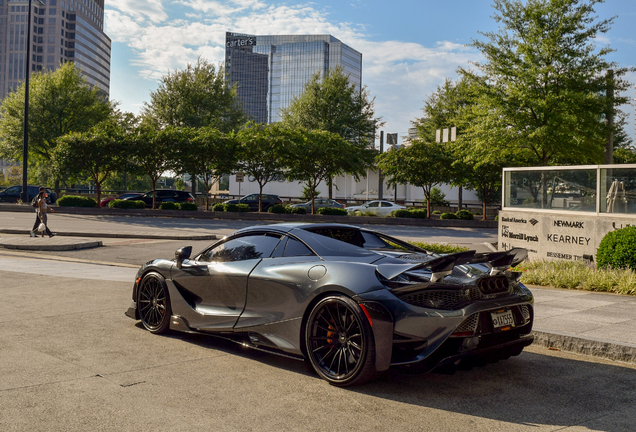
(62, 31)
(271, 70)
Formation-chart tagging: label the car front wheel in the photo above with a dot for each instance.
(339, 342)
(153, 303)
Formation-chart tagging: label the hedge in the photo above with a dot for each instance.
(169, 205)
(334, 211)
(448, 216)
(295, 210)
(127, 204)
(188, 206)
(218, 207)
(76, 201)
(236, 207)
(464, 214)
(278, 209)
(618, 249)
(410, 213)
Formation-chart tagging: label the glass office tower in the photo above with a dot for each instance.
(271, 70)
(62, 31)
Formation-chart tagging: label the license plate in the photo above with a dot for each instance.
(502, 320)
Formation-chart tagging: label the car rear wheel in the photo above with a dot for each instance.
(339, 342)
(153, 302)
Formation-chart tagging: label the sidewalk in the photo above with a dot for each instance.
(591, 323)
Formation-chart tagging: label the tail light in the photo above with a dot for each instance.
(190, 199)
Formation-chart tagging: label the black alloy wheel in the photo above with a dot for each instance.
(153, 303)
(339, 342)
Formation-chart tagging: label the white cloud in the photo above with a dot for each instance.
(141, 9)
(399, 74)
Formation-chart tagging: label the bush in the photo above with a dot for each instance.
(76, 201)
(127, 204)
(618, 249)
(437, 212)
(439, 247)
(334, 211)
(496, 217)
(448, 216)
(416, 213)
(188, 206)
(278, 209)
(295, 210)
(236, 207)
(168, 205)
(218, 207)
(437, 197)
(464, 214)
(402, 213)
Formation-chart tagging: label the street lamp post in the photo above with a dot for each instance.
(25, 146)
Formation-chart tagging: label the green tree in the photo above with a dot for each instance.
(93, 155)
(60, 102)
(422, 164)
(316, 155)
(263, 150)
(197, 96)
(543, 83)
(333, 104)
(208, 154)
(153, 151)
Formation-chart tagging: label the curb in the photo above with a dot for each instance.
(54, 247)
(602, 348)
(121, 235)
(265, 217)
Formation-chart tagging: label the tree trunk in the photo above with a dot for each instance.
(428, 203)
(57, 187)
(330, 183)
(99, 193)
(154, 193)
(459, 198)
(260, 198)
(484, 191)
(194, 185)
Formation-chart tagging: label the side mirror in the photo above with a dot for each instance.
(182, 254)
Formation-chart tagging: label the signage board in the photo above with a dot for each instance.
(239, 177)
(553, 236)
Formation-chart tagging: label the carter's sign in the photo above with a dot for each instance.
(251, 41)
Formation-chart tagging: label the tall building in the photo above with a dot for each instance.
(271, 70)
(62, 31)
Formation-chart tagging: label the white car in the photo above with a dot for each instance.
(379, 207)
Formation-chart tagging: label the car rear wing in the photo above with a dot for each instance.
(443, 266)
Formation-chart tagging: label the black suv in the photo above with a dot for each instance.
(252, 201)
(13, 193)
(166, 195)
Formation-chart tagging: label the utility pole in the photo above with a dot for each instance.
(380, 180)
(609, 119)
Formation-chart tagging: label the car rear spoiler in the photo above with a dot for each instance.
(443, 266)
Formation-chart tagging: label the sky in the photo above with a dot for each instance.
(408, 46)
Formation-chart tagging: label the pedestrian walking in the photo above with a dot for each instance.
(43, 209)
(35, 204)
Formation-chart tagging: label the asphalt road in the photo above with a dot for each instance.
(71, 361)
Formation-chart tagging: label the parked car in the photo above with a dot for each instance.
(124, 196)
(252, 201)
(379, 207)
(351, 301)
(165, 195)
(319, 203)
(13, 193)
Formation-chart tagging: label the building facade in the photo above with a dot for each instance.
(270, 71)
(62, 31)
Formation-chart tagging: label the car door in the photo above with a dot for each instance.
(252, 201)
(215, 282)
(11, 194)
(373, 207)
(385, 208)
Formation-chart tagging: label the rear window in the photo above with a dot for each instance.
(347, 235)
(326, 246)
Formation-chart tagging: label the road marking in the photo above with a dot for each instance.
(75, 270)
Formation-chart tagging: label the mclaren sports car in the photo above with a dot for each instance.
(351, 301)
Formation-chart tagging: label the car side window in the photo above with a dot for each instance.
(386, 204)
(296, 248)
(13, 190)
(374, 204)
(243, 248)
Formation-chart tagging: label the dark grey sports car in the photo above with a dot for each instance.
(352, 301)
